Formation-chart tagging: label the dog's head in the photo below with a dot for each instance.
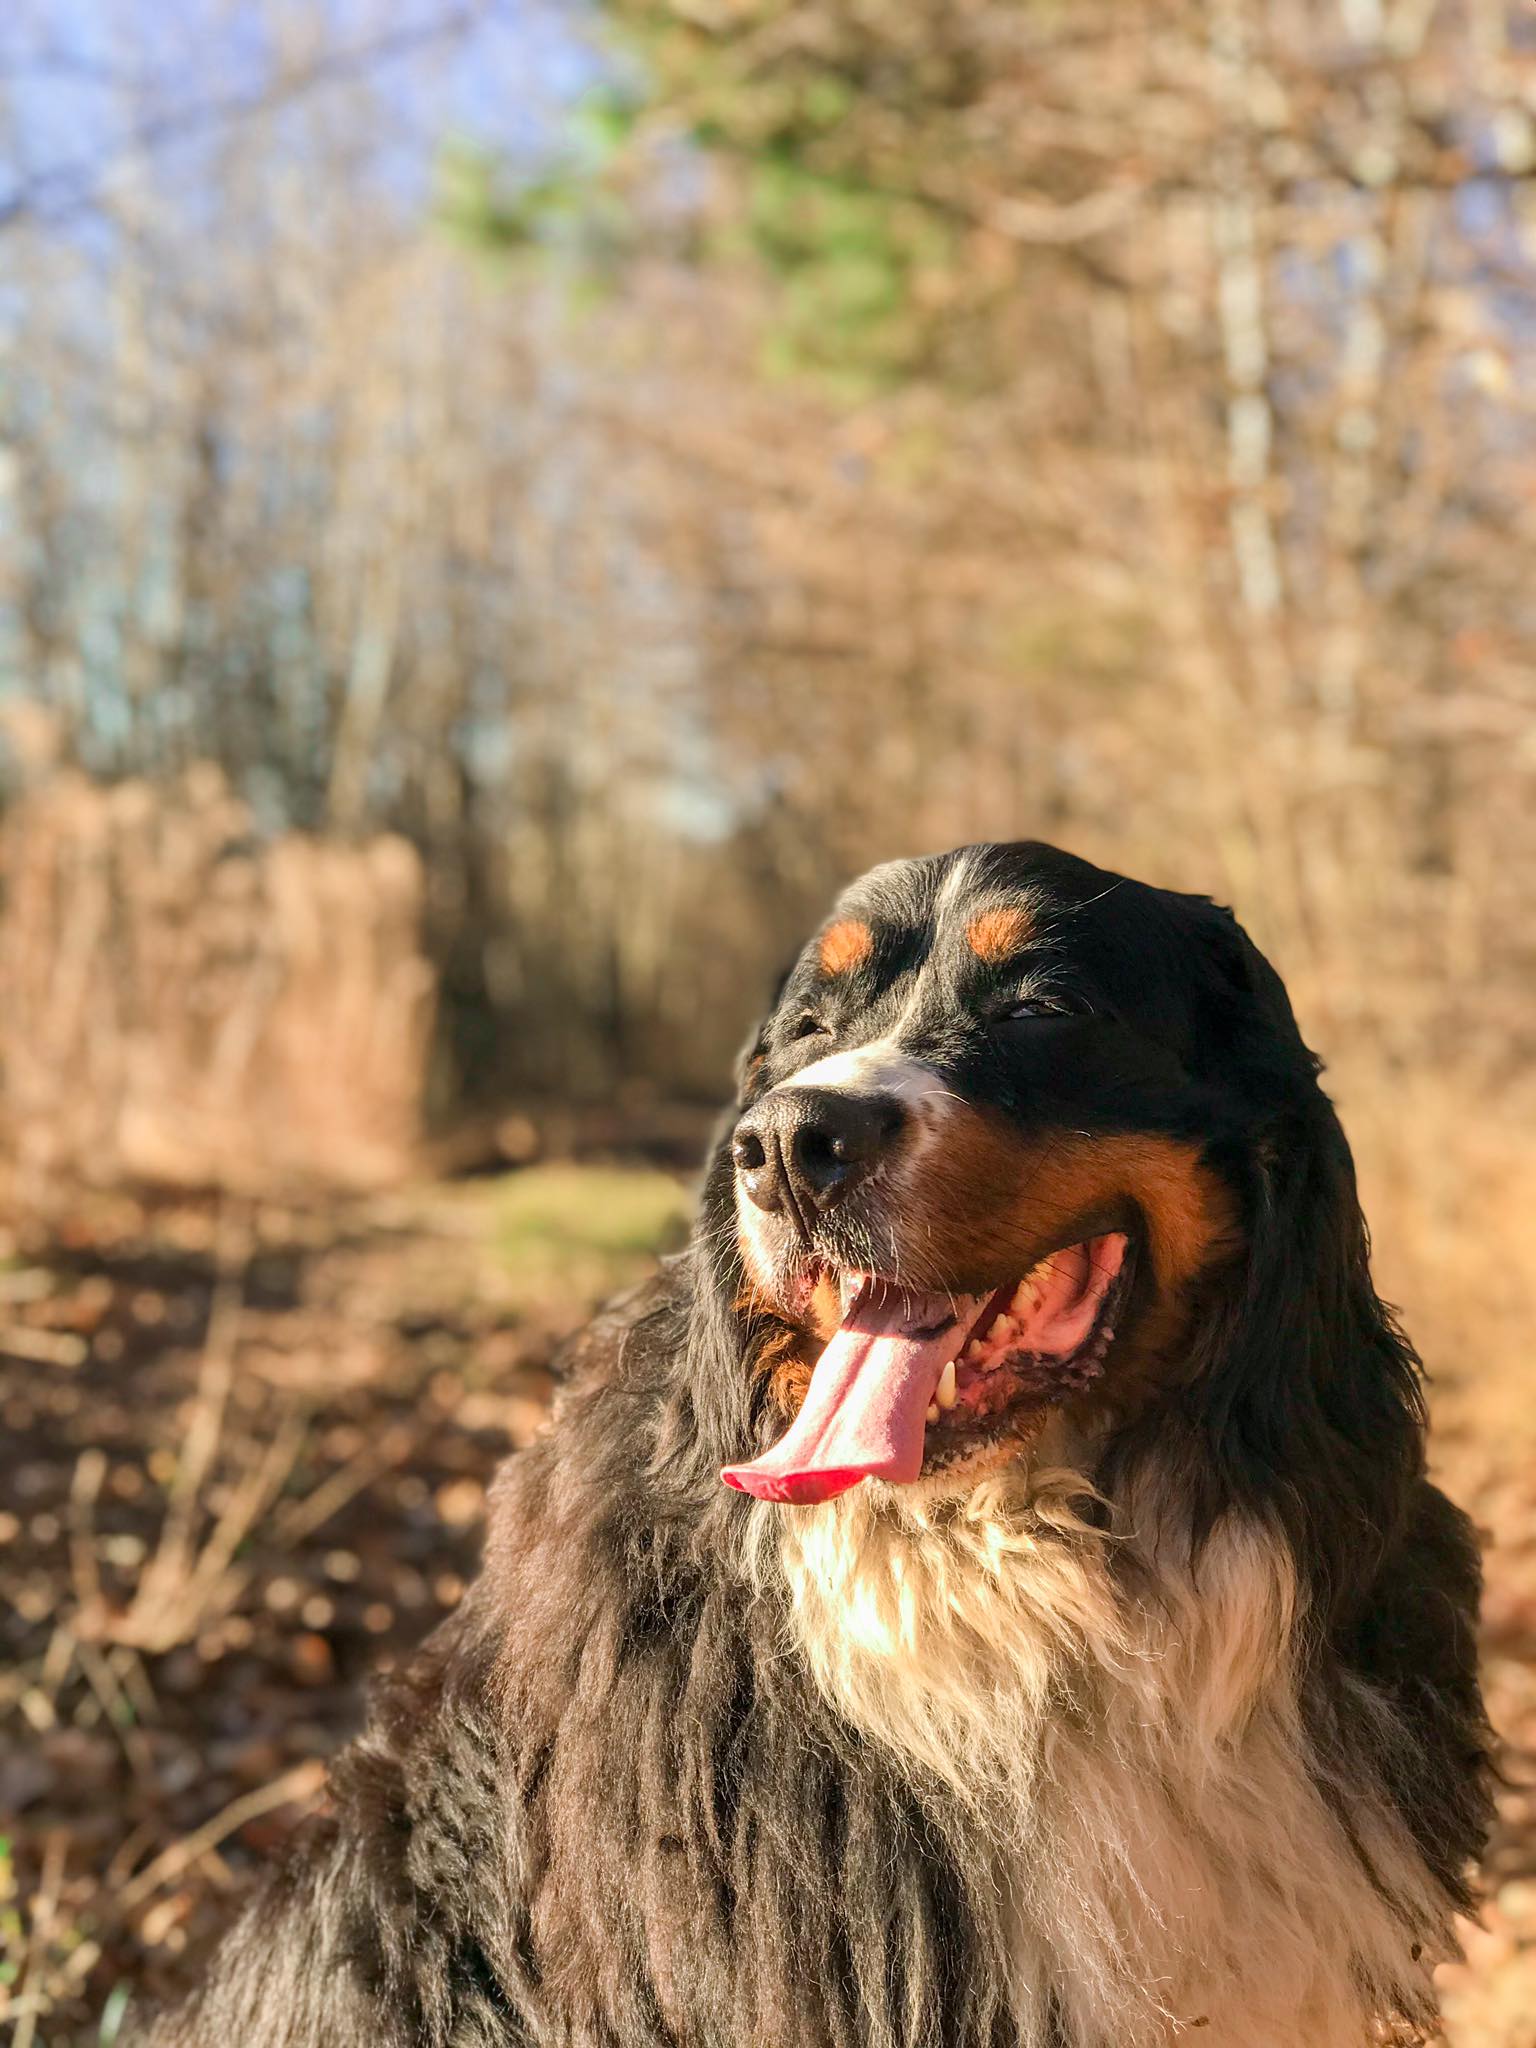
(1020, 1135)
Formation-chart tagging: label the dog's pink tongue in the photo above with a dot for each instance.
(864, 1414)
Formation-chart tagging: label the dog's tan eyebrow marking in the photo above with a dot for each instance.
(845, 945)
(996, 935)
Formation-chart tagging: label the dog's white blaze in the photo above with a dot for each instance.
(878, 1068)
(1165, 1859)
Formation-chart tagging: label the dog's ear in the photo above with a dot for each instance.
(1304, 1401)
(1309, 1391)
(1248, 1017)
(1244, 966)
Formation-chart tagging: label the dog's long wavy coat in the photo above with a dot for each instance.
(1078, 1658)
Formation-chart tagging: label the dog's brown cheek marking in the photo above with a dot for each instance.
(845, 945)
(1009, 1196)
(999, 1201)
(783, 1352)
(996, 935)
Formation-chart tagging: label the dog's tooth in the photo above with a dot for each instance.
(1004, 1329)
(946, 1396)
(974, 1350)
(933, 1411)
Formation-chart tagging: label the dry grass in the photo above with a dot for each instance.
(189, 1005)
(257, 1474)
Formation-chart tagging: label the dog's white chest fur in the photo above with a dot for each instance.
(1166, 1858)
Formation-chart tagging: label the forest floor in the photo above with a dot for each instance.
(243, 1458)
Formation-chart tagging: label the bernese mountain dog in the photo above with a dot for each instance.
(985, 1593)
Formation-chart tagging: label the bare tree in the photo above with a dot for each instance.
(1153, 471)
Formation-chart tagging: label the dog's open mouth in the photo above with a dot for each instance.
(910, 1382)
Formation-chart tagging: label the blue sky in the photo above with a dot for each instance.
(84, 79)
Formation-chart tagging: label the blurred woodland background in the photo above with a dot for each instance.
(503, 508)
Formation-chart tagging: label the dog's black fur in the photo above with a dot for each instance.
(606, 1806)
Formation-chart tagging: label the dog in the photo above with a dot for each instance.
(985, 1593)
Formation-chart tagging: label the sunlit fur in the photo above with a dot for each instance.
(1117, 1730)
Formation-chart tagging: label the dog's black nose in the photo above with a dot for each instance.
(810, 1146)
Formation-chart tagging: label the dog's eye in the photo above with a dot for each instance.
(1040, 1006)
(811, 1027)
